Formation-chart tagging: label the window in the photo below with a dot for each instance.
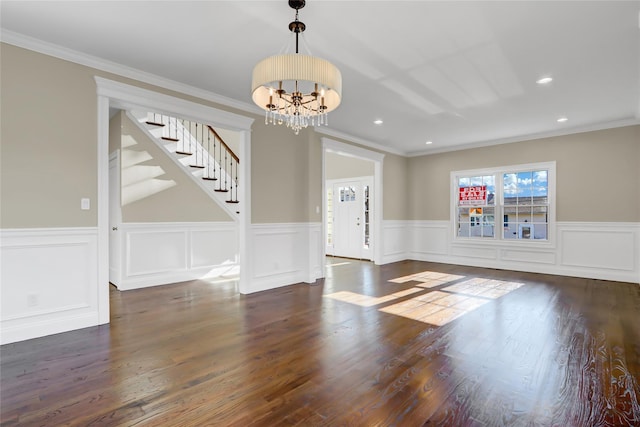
(526, 200)
(329, 216)
(367, 222)
(520, 195)
(347, 194)
(476, 206)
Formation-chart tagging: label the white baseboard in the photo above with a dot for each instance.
(48, 281)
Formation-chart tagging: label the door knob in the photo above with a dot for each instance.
(114, 228)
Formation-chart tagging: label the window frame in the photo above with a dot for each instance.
(498, 173)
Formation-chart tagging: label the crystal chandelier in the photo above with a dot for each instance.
(294, 89)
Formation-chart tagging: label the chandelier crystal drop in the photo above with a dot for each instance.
(294, 89)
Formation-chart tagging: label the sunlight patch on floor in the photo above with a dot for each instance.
(429, 279)
(437, 307)
(338, 264)
(434, 307)
(218, 280)
(368, 301)
(486, 288)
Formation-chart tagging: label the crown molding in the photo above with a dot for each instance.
(46, 48)
(50, 49)
(354, 139)
(568, 131)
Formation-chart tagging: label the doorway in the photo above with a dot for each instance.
(115, 95)
(115, 218)
(349, 218)
(352, 201)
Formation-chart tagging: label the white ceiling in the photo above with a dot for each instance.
(456, 73)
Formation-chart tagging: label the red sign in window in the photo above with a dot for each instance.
(472, 195)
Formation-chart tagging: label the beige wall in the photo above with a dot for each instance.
(48, 159)
(395, 186)
(167, 195)
(597, 174)
(279, 174)
(314, 189)
(339, 167)
(48, 152)
(49, 125)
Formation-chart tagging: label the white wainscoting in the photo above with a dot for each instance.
(394, 241)
(284, 254)
(607, 251)
(48, 281)
(160, 253)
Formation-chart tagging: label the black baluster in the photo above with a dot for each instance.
(196, 141)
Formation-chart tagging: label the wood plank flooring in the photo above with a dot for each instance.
(405, 344)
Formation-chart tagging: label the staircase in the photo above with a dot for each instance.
(200, 151)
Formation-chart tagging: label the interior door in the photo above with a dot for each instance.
(350, 219)
(115, 219)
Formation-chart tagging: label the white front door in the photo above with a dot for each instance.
(351, 219)
(114, 219)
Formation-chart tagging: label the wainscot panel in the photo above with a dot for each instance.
(395, 241)
(484, 253)
(609, 251)
(284, 254)
(429, 238)
(48, 281)
(518, 255)
(606, 251)
(162, 253)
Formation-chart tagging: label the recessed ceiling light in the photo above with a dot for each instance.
(562, 119)
(378, 122)
(429, 142)
(544, 80)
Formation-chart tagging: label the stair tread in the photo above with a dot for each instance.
(221, 190)
(168, 138)
(197, 166)
(208, 178)
(154, 123)
(184, 153)
(233, 201)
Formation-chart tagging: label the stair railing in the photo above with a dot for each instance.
(207, 150)
(229, 163)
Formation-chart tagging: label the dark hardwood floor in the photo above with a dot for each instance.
(405, 344)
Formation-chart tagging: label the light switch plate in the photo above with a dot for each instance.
(85, 204)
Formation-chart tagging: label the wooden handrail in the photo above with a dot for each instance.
(224, 144)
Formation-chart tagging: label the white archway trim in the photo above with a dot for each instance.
(125, 96)
(113, 94)
(331, 145)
